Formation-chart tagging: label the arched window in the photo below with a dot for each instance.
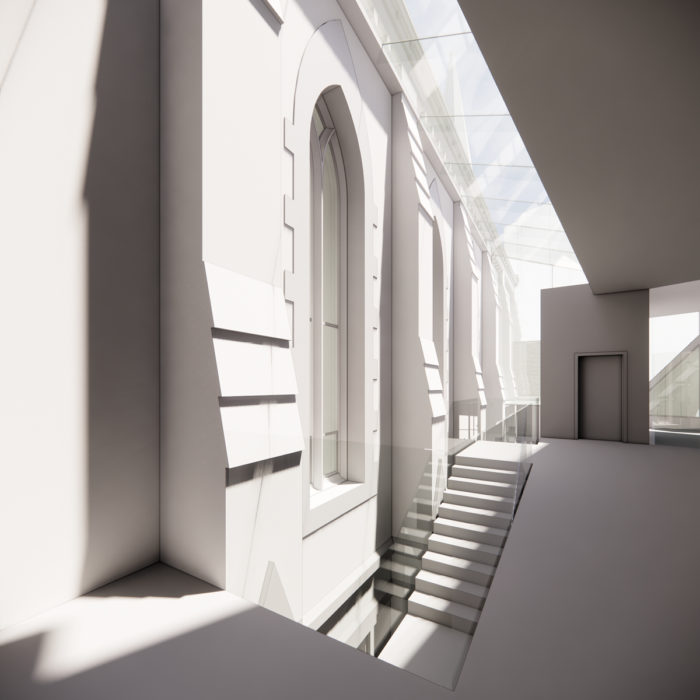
(329, 302)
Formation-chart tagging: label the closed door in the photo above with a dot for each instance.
(600, 409)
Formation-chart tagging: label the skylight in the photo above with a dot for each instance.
(446, 79)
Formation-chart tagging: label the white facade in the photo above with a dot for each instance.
(242, 232)
(173, 267)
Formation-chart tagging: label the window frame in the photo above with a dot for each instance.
(325, 151)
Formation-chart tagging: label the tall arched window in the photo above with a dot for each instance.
(329, 302)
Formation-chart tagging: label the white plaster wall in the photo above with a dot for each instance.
(443, 209)
(193, 457)
(13, 20)
(242, 234)
(467, 384)
(337, 558)
(242, 139)
(508, 321)
(576, 320)
(411, 312)
(319, 50)
(332, 56)
(422, 205)
(79, 299)
(376, 122)
(232, 510)
(491, 340)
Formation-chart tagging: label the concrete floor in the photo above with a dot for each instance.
(429, 650)
(596, 594)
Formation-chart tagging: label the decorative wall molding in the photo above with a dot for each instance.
(327, 63)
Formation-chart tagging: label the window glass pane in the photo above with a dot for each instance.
(330, 454)
(318, 123)
(331, 236)
(331, 379)
(328, 315)
(674, 369)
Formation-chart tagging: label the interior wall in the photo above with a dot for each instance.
(574, 320)
(491, 340)
(79, 297)
(193, 455)
(675, 299)
(414, 354)
(320, 51)
(235, 287)
(467, 383)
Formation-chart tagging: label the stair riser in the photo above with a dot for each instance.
(492, 489)
(440, 617)
(399, 604)
(382, 587)
(424, 491)
(456, 531)
(457, 572)
(474, 601)
(382, 574)
(392, 601)
(403, 579)
(465, 499)
(463, 552)
(470, 473)
(423, 506)
(406, 559)
(502, 522)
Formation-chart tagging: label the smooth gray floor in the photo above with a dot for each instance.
(596, 596)
(429, 650)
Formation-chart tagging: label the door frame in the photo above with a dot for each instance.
(623, 398)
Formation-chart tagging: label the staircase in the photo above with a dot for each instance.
(395, 580)
(441, 570)
(465, 546)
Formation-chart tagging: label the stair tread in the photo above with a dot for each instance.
(486, 497)
(422, 501)
(398, 567)
(450, 607)
(407, 549)
(477, 511)
(468, 480)
(418, 516)
(459, 563)
(472, 527)
(392, 588)
(416, 533)
(487, 470)
(466, 544)
(453, 583)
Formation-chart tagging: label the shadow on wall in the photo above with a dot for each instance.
(157, 581)
(122, 197)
